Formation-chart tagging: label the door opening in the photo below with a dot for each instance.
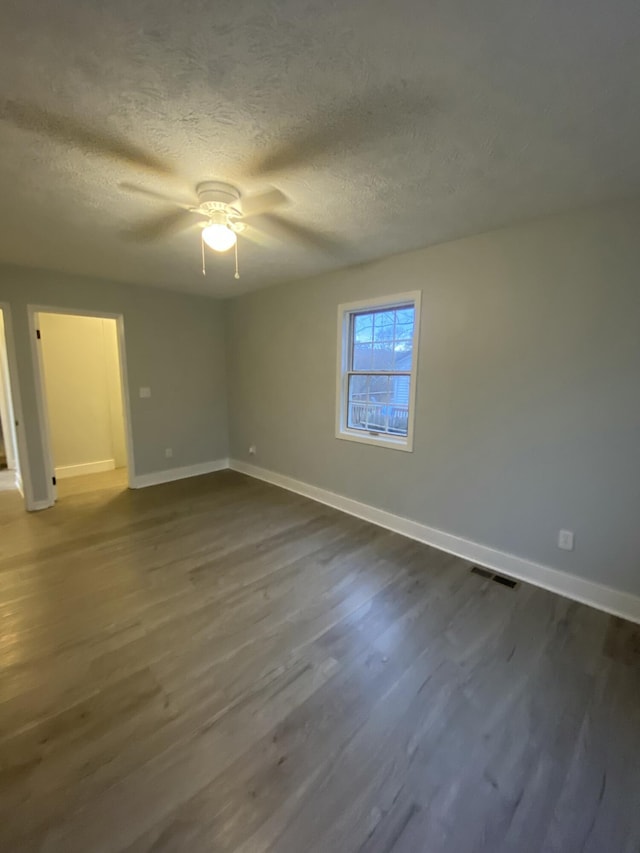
(83, 400)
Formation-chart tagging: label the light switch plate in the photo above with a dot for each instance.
(565, 540)
(145, 392)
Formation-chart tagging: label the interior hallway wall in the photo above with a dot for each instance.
(174, 346)
(83, 393)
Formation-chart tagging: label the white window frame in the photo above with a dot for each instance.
(345, 312)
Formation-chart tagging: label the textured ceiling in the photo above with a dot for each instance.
(391, 125)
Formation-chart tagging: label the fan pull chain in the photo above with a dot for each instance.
(237, 275)
(204, 267)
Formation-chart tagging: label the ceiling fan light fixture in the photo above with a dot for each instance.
(219, 237)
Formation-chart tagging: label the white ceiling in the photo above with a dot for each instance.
(391, 125)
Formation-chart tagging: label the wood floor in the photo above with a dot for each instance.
(220, 665)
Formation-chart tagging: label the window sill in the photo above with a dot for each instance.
(378, 440)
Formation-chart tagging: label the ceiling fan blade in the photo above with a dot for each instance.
(72, 132)
(134, 188)
(283, 229)
(338, 129)
(162, 226)
(254, 205)
(261, 238)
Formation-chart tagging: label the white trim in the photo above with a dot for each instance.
(342, 365)
(26, 486)
(44, 428)
(597, 595)
(386, 301)
(66, 471)
(126, 400)
(18, 482)
(7, 418)
(378, 440)
(36, 506)
(168, 475)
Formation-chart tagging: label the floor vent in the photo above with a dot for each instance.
(485, 573)
(505, 581)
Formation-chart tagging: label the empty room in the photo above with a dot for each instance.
(320, 406)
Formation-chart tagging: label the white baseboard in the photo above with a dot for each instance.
(141, 481)
(36, 506)
(66, 471)
(571, 586)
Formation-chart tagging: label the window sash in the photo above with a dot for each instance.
(378, 372)
(384, 309)
(390, 342)
(367, 410)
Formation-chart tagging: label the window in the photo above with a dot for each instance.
(377, 355)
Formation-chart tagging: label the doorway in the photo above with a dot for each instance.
(83, 399)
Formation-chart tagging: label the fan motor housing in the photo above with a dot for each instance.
(216, 195)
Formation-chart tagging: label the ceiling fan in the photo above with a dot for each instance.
(219, 209)
(221, 212)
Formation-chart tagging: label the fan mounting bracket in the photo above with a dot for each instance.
(217, 195)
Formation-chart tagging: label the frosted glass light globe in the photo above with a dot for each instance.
(218, 237)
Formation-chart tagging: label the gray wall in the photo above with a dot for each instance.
(528, 408)
(175, 345)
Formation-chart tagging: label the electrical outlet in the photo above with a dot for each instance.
(145, 393)
(168, 452)
(565, 540)
(253, 450)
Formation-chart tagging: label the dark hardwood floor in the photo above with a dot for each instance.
(221, 665)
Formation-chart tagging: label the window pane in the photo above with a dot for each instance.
(379, 403)
(404, 331)
(400, 386)
(363, 327)
(383, 326)
(406, 316)
(362, 356)
(379, 389)
(385, 318)
(403, 357)
(382, 356)
(358, 387)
